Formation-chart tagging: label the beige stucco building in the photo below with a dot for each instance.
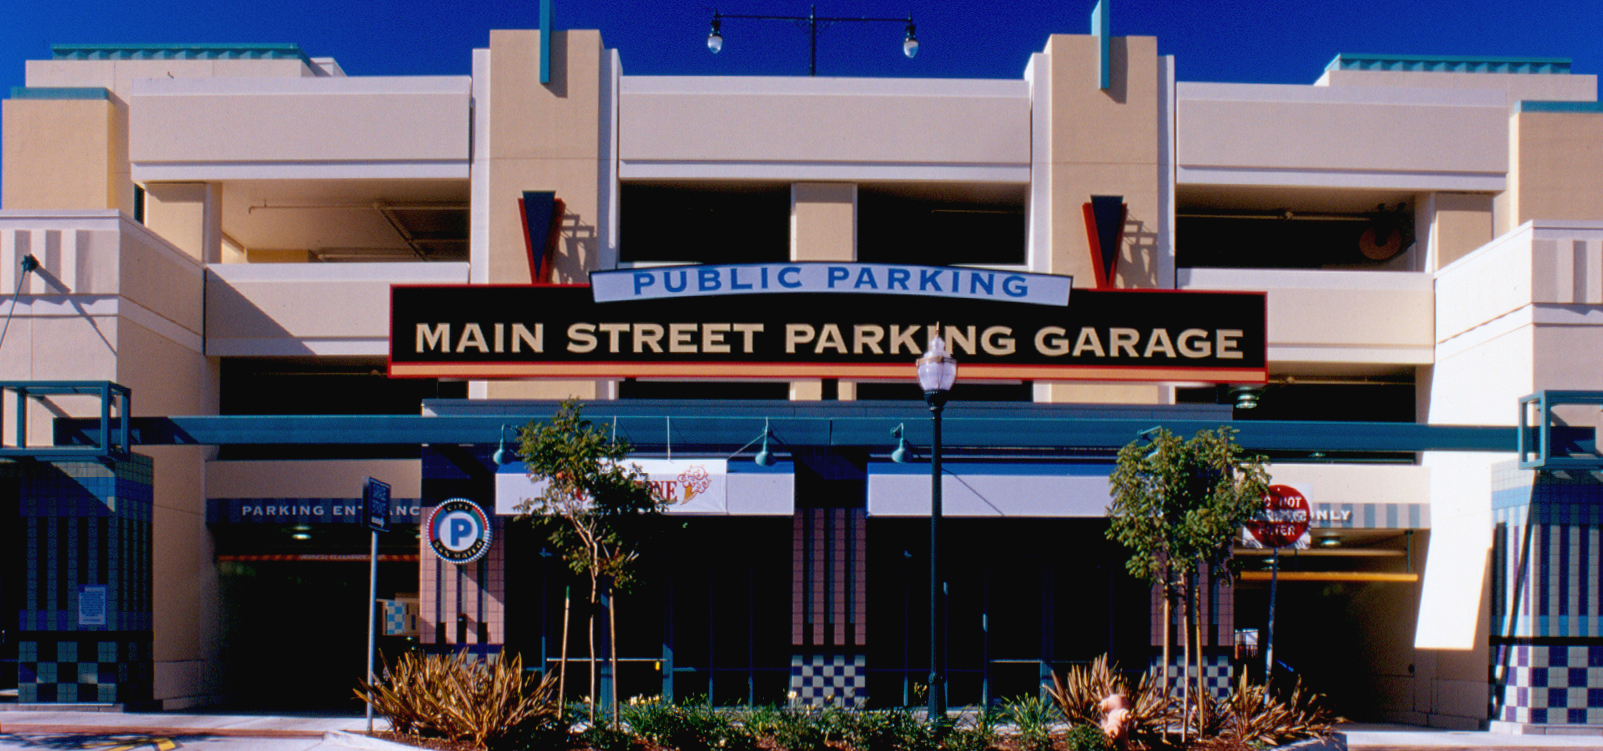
(217, 228)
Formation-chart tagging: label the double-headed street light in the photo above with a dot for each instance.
(937, 370)
(812, 23)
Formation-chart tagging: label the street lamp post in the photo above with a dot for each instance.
(937, 370)
(812, 23)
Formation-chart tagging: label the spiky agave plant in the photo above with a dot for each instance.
(1081, 688)
(460, 698)
(1257, 716)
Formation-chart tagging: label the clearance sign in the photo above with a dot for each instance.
(823, 320)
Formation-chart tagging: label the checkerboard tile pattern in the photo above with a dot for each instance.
(1218, 672)
(1548, 685)
(400, 617)
(84, 536)
(72, 668)
(1547, 605)
(820, 679)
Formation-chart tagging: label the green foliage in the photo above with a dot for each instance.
(691, 726)
(595, 508)
(895, 729)
(606, 738)
(461, 698)
(1083, 737)
(1082, 688)
(1177, 503)
(1033, 718)
(795, 728)
(981, 732)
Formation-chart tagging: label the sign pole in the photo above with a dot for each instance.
(1269, 633)
(376, 506)
(1282, 522)
(372, 607)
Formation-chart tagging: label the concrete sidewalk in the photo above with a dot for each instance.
(222, 730)
(1387, 737)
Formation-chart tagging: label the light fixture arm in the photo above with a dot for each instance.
(765, 457)
(811, 23)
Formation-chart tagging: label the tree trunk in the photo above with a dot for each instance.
(1185, 671)
(1168, 617)
(590, 625)
(1196, 630)
(562, 665)
(612, 648)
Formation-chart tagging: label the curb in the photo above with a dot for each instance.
(361, 740)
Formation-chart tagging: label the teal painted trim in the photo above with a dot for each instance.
(1442, 64)
(180, 52)
(1539, 106)
(59, 92)
(545, 41)
(1101, 28)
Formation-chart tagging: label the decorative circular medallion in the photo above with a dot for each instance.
(459, 532)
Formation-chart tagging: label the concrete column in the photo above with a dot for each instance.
(823, 227)
(66, 149)
(1457, 222)
(1094, 141)
(560, 136)
(188, 215)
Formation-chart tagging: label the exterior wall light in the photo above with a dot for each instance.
(910, 44)
(900, 454)
(765, 458)
(502, 457)
(1246, 397)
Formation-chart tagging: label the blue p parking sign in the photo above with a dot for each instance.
(376, 501)
(459, 531)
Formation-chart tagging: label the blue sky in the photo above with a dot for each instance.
(1225, 40)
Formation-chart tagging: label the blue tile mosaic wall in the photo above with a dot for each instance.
(83, 626)
(1547, 613)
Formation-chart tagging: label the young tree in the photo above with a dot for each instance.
(594, 509)
(1178, 506)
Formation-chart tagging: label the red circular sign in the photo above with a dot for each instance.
(1284, 517)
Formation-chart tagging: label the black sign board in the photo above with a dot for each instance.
(496, 331)
(376, 499)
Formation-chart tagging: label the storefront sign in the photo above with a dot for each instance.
(691, 486)
(458, 531)
(673, 282)
(493, 331)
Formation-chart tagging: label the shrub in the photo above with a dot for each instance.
(1082, 687)
(1086, 738)
(692, 726)
(978, 734)
(801, 730)
(895, 729)
(461, 698)
(1257, 716)
(1033, 718)
(606, 738)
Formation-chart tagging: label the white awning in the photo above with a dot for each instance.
(713, 487)
(996, 490)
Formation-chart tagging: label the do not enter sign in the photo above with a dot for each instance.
(1284, 517)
